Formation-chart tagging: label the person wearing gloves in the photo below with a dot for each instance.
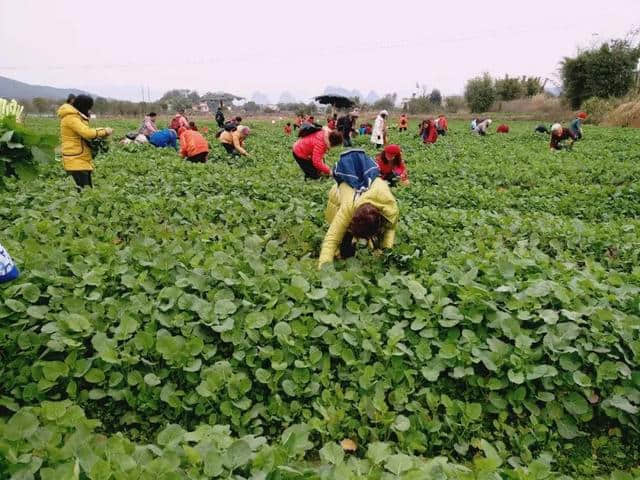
(193, 146)
(164, 138)
(309, 152)
(482, 127)
(8, 269)
(360, 206)
(392, 166)
(233, 141)
(379, 133)
(561, 138)
(576, 125)
(75, 134)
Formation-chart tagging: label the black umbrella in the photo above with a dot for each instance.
(336, 101)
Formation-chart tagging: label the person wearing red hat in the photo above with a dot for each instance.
(392, 166)
(503, 128)
(576, 125)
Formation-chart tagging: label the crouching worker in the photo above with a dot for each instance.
(310, 149)
(193, 146)
(164, 138)
(233, 140)
(8, 269)
(561, 138)
(576, 125)
(360, 206)
(391, 165)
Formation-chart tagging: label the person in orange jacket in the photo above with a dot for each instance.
(442, 125)
(193, 146)
(403, 124)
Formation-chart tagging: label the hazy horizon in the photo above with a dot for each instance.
(117, 49)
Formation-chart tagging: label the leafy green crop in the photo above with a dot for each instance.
(180, 304)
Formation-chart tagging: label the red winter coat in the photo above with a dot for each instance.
(502, 128)
(429, 133)
(313, 148)
(386, 169)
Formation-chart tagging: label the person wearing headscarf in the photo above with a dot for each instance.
(233, 141)
(379, 133)
(75, 134)
(428, 131)
(360, 206)
(391, 165)
(561, 138)
(482, 128)
(576, 125)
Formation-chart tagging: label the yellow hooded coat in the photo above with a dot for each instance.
(74, 133)
(343, 202)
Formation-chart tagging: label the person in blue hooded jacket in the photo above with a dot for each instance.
(8, 269)
(164, 138)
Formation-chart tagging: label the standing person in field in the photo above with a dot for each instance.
(345, 126)
(220, 117)
(74, 135)
(360, 206)
(379, 134)
(403, 123)
(193, 146)
(576, 125)
(309, 152)
(298, 122)
(442, 125)
(391, 165)
(165, 138)
(179, 121)
(428, 132)
(233, 141)
(482, 127)
(8, 269)
(287, 129)
(148, 126)
(561, 138)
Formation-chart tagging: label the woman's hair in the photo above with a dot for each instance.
(335, 138)
(83, 104)
(153, 114)
(192, 126)
(71, 98)
(238, 119)
(366, 221)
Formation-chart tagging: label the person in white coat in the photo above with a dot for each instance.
(379, 132)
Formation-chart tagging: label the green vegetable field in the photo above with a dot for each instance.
(171, 323)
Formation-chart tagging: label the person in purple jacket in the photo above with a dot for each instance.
(8, 269)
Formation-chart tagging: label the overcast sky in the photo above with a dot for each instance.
(112, 48)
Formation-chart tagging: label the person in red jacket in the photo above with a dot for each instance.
(309, 152)
(561, 138)
(193, 146)
(391, 165)
(428, 131)
(502, 128)
(287, 129)
(403, 123)
(442, 125)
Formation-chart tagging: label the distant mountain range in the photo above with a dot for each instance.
(24, 91)
(371, 97)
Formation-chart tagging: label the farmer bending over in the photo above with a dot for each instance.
(392, 166)
(310, 149)
(8, 269)
(164, 138)
(576, 125)
(360, 206)
(561, 137)
(233, 141)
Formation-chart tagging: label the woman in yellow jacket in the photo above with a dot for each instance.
(233, 141)
(74, 135)
(364, 209)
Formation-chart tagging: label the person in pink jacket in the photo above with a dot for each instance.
(309, 152)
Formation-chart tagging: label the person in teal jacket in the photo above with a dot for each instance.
(576, 125)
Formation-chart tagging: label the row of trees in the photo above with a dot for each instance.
(480, 93)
